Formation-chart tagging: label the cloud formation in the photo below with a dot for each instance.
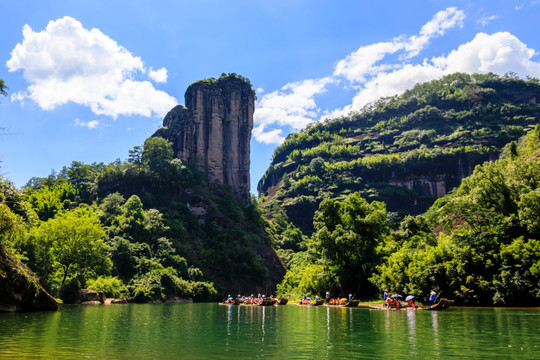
(498, 53)
(68, 63)
(92, 124)
(159, 76)
(374, 75)
(293, 105)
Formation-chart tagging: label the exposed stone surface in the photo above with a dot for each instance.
(214, 129)
(20, 289)
(177, 300)
(92, 296)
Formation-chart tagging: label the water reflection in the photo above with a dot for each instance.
(411, 329)
(435, 331)
(202, 331)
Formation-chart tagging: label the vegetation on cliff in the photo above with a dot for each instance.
(480, 244)
(148, 227)
(404, 150)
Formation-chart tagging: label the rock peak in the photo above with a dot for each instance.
(214, 128)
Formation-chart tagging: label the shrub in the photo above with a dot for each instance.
(110, 285)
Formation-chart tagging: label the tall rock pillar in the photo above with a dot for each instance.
(239, 105)
(215, 129)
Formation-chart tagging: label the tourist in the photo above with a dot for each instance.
(432, 298)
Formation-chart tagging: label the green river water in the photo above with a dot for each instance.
(212, 331)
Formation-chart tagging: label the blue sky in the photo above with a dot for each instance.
(89, 80)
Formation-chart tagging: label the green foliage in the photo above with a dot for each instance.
(49, 200)
(71, 291)
(487, 247)
(342, 253)
(203, 291)
(346, 236)
(157, 153)
(73, 242)
(111, 286)
(442, 128)
(3, 88)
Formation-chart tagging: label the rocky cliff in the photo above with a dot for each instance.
(19, 288)
(406, 151)
(214, 130)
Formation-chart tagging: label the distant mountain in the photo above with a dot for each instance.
(405, 150)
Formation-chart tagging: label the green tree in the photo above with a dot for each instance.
(48, 200)
(156, 154)
(3, 88)
(75, 240)
(135, 156)
(346, 235)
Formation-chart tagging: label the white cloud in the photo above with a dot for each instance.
(361, 63)
(92, 124)
(268, 136)
(18, 96)
(159, 76)
(395, 82)
(486, 19)
(68, 63)
(369, 70)
(441, 21)
(293, 106)
(358, 64)
(498, 53)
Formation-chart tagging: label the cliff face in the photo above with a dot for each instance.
(406, 151)
(19, 288)
(214, 129)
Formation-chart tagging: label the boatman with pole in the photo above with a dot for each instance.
(432, 298)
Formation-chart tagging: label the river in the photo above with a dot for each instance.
(212, 331)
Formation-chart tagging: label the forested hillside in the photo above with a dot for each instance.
(479, 245)
(405, 151)
(147, 229)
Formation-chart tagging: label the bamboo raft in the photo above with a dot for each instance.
(316, 303)
(442, 304)
(352, 303)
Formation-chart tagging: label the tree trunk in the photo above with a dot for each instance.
(66, 268)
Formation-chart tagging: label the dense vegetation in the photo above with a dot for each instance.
(405, 150)
(480, 244)
(129, 228)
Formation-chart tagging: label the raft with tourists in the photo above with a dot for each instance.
(260, 300)
(308, 302)
(342, 303)
(394, 303)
